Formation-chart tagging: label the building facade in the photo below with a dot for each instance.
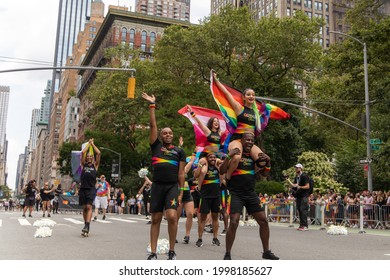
(4, 101)
(175, 9)
(119, 27)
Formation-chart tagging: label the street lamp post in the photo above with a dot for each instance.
(367, 102)
(120, 159)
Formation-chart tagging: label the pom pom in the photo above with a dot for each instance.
(337, 230)
(251, 223)
(43, 232)
(162, 247)
(242, 223)
(143, 172)
(44, 223)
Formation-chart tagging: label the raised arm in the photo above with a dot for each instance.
(204, 128)
(97, 152)
(237, 107)
(152, 116)
(225, 163)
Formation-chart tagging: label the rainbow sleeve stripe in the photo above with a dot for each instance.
(242, 127)
(239, 172)
(157, 160)
(207, 182)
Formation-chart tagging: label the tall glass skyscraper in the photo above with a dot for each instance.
(72, 16)
(4, 100)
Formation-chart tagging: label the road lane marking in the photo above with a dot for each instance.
(122, 220)
(77, 222)
(103, 221)
(24, 222)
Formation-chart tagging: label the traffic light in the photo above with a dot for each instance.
(131, 88)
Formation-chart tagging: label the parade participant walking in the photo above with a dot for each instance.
(242, 190)
(210, 200)
(46, 196)
(102, 195)
(87, 192)
(30, 190)
(168, 163)
(145, 191)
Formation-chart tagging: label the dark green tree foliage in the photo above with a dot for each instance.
(268, 56)
(65, 157)
(339, 91)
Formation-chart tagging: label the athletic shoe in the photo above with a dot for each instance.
(269, 255)
(223, 232)
(227, 256)
(171, 255)
(148, 223)
(95, 218)
(24, 216)
(43, 216)
(152, 256)
(48, 215)
(216, 242)
(30, 216)
(302, 228)
(199, 243)
(186, 239)
(104, 217)
(176, 241)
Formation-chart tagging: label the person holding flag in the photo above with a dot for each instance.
(242, 114)
(87, 192)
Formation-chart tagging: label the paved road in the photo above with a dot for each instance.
(125, 237)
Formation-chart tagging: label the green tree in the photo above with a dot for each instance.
(65, 157)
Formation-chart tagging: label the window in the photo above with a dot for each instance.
(124, 32)
(143, 47)
(143, 37)
(132, 35)
(152, 38)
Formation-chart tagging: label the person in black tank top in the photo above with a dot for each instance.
(87, 192)
(247, 121)
(213, 132)
(30, 190)
(168, 163)
(242, 190)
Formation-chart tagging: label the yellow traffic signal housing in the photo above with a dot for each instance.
(131, 88)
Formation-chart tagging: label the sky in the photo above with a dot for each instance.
(28, 31)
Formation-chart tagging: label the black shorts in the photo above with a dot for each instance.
(209, 204)
(163, 196)
(196, 197)
(29, 201)
(187, 197)
(87, 196)
(251, 201)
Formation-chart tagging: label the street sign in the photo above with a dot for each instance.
(375, 141)
(375, 148)
(365, 161)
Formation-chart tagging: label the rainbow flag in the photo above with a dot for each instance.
(203, 114)
(264, 111)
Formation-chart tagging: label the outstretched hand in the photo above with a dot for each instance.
(264, 157)
(149, 98)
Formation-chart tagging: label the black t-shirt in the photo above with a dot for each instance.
(30, 192)
(213, 139)
(165, 162)
(302, 180)
(210, 185)
(243, 178)
(44, 196)
(88, 177)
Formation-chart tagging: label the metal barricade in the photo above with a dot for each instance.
(385, 211)
(278, 212)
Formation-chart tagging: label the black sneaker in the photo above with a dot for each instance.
(269, 255)
(223, 232)
(95, 218)
(85, 230)
(171, 255)
(104, 217)
(43, 216)
(186, 239)
(216, 242)
(199, 243)
(48, 215)
(152, 256)
(176, 241)
(24, 215)
(150, 222)
(227, 256)
(30, 216)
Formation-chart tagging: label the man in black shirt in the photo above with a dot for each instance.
(168, 163)
(301, 187)
(241, 185)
